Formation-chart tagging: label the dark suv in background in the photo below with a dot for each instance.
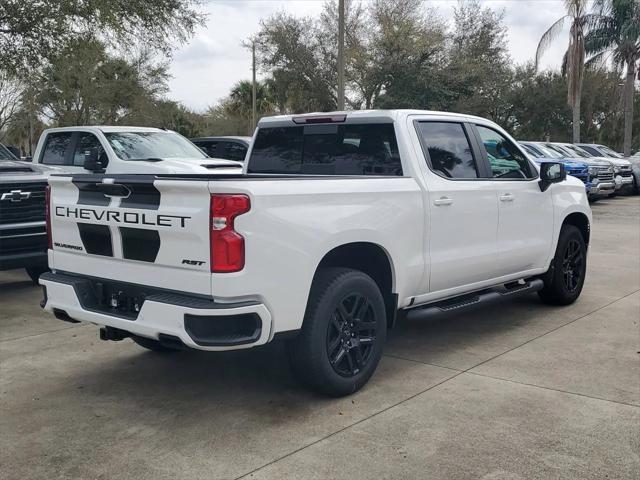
(227, 148)
(23, 235)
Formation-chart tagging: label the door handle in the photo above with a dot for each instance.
(507, 197)
(442, 201)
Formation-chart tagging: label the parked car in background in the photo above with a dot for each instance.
(598, 150)
(604, 151)
(125, 150)
(7, 154)
(622, 173)
(228, 148)
(23, 236)
(600, 181)
(540, 154)
(341, 221)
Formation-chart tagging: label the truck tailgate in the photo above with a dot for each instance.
(133, 228)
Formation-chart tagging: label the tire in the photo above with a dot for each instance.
(35, 272)
(153, 345)
(336, 352)
(612, 195)
(565, 278)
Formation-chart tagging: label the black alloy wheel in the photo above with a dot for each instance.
(573, 265)
(565, 278)
(351, 335)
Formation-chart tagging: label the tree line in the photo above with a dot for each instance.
(399, 54)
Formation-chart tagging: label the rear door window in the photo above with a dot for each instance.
(56, 149)
(84, 144)
(327, 149)
(449, 150)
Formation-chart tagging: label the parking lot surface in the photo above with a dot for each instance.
(515, 390)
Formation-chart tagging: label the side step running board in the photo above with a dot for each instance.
(470, 300)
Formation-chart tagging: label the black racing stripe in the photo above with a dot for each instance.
(140, 244)
(96, 239)
(143, 195)
(90, 195)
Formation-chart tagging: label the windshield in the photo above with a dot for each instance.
(549, 152)
(609, 152)
(564, 153)
(5, 154)
(577, 151)
(532, 150)
(145, 145)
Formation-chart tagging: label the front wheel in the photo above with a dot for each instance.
(565, 278)
(343, 333)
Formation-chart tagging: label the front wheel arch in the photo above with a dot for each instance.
(581, 222)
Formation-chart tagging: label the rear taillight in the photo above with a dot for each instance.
(227, 245)
(47, 213)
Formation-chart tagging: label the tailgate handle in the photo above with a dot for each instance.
(113, 190)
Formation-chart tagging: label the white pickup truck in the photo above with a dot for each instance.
(120, 149)
(339, 223)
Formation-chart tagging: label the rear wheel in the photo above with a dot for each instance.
(564, 281)
(153, 345)
(342, 335)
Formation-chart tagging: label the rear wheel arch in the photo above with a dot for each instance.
(371, 259)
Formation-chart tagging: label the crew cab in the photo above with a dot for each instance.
(125, 150)
(339, 223)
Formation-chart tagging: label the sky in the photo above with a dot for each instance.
(204, 70)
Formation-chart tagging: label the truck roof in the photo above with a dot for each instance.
(105, 128)
(372, 114)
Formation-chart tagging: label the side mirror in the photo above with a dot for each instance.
(95, 160)
(551, 172)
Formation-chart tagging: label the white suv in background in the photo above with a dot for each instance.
(125, 150)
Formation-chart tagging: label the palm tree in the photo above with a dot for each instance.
(240, 100)
(573, 62)
(616, 31)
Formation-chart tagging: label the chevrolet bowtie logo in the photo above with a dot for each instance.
(15, 196)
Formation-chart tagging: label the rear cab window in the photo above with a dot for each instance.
(327, 149)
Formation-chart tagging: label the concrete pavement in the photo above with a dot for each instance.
(516, 390)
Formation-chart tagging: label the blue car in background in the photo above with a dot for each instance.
(540, 154)
(596, 176)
